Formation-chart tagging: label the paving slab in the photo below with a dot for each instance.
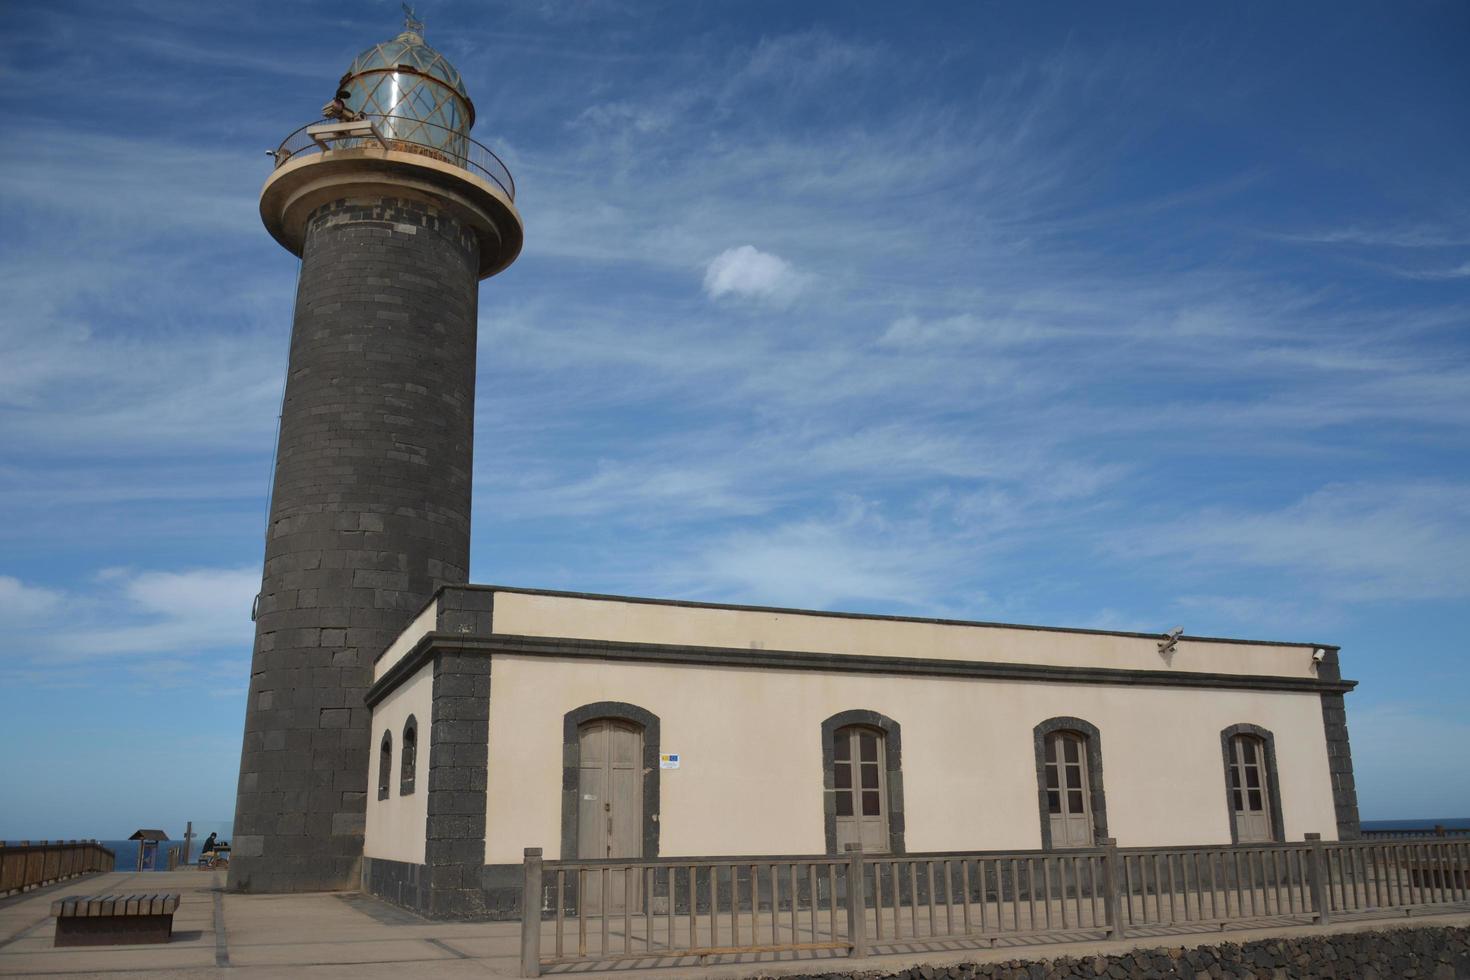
(325, 935)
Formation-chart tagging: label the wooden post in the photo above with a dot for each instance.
(188, 841)
(1317, 870)
(531, 914)
(1112, 908)
(857, 902)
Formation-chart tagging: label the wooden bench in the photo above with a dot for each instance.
(114, 920)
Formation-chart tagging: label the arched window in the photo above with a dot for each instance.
(1069, 783)
(863, 780)
(1251, 789)
(409, 765)
(385, 764)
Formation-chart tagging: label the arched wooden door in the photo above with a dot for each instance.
(610, 807)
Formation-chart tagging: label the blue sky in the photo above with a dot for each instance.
(1077, 314)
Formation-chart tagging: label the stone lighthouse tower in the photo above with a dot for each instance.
(397, 214)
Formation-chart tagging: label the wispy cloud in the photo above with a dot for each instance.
(1359, 542)
(126, 615)
(22, 604)
(1461, 271)
(148, 184)
(854, 556)
(1422, 236)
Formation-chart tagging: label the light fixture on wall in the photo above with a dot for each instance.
(1170, 640)
(1319, 654)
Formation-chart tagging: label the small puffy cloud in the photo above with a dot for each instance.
(747, 271)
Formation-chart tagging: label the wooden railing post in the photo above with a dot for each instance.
(1112, 907)
(531, 914)
(1317, 870)
(857, 902)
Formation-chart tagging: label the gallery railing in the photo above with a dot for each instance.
(677, 911)
(404, 134)
(27, 865)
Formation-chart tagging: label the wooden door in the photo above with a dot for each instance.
(1067, 791)
(860, 781)
(610, 811)
(1248, 794)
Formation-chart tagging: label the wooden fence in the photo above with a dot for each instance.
(679, 911)
(28, 865)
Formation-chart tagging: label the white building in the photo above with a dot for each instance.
(604, 726)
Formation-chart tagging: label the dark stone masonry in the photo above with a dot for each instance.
(1395, 954)
(459, 755)
(370, 513)
(1339, 751)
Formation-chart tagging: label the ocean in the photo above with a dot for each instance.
(1449, 823)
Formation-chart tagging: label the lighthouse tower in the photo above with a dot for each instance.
(397, 214)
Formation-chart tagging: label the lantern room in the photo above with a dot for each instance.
(412, 94)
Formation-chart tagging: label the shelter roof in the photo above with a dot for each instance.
(147, 834)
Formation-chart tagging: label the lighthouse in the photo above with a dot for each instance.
(396, 214)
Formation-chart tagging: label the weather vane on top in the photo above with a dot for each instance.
(411, 22)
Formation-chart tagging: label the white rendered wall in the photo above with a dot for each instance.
(397, 827)
(750, 780)
(635, 622)
(404, 642)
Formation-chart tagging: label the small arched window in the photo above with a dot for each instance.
(385, 764)
(409, 765)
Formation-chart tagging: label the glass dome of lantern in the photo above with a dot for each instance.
(412, 94)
